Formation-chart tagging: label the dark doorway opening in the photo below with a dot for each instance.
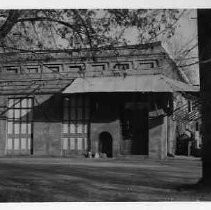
(140, 132)
(105, 144)
(135, 130)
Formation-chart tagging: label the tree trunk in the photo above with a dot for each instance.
(204, 38)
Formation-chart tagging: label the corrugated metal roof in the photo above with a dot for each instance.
(140, 83)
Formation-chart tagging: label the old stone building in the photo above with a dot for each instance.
(114, 101)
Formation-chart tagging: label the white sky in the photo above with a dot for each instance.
(105, 4)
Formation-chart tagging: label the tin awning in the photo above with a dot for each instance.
(139, 83)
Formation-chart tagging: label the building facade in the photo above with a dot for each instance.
(112, 102)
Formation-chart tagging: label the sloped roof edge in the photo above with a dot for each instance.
(143, 83)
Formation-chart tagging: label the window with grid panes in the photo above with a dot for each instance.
(76, 110)
(19, 125)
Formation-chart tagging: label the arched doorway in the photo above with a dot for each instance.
(105, 143)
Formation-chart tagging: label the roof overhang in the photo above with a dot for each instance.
(139, 83)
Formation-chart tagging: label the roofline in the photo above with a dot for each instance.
(180, 72)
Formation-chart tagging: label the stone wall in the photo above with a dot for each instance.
(113, 128)
(158, 138)
(47, 125)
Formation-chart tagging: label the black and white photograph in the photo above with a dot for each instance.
(105, 104)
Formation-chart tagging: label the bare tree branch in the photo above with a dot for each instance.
(85, 26)
(190, 64)
(75, 28)
(34, 19)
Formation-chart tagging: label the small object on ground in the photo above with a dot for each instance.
(89, 154)
(97, 155)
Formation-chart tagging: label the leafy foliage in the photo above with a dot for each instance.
(70, 28)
